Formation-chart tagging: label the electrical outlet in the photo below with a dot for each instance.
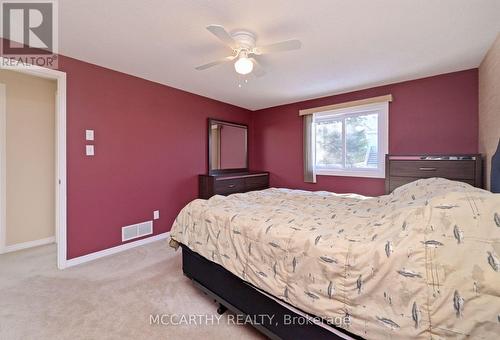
(156, 214)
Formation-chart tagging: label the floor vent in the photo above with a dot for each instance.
(137, 230)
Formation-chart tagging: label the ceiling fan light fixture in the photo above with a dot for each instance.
(243, 65)
(243, 45)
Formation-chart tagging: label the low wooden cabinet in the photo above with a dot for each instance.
(401, 170)
(231, 183)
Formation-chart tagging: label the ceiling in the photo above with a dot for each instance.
(347, 45)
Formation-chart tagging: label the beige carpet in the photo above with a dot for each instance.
(110, 298)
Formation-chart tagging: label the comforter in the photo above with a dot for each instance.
(422, 262)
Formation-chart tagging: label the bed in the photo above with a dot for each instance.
(421, 262)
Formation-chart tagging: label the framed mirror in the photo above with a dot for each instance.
(227, 147)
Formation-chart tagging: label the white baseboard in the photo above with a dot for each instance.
(30, 244)
(110, 251)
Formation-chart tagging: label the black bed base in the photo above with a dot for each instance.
(242, 299)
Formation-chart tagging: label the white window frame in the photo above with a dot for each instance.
(383, 138)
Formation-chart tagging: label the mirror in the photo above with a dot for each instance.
(227, 147)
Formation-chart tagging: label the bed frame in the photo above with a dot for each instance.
(232, 293)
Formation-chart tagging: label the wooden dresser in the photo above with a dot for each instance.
(400, 170)
(231, 183)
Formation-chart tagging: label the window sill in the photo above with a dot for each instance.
(351, 173)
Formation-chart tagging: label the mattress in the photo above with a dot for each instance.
(421, 262)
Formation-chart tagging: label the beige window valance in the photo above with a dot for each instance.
(379, 99)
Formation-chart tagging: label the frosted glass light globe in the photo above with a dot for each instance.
(243, 65)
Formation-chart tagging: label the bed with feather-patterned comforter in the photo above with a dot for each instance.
(422, 262)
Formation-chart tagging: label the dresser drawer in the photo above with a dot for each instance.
(229, 186)
(257, 182)
(425, 169)
(232, 183)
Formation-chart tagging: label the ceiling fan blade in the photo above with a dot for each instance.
(283, 46)
(221, 33)
(214, 63)
(258, 70)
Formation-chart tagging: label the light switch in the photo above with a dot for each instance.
(89, 134)
(89, 150)
(156, 214)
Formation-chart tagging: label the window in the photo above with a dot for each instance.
(351, 141)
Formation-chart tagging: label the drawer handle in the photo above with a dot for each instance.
(231, 186)
(427, 169)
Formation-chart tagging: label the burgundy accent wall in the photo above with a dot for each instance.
(431, 115)
(150, 145)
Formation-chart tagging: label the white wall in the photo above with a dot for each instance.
(30, 157)
(489, 105)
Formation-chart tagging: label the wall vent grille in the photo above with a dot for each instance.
(137, 230)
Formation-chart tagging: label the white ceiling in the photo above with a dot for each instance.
(347, 44)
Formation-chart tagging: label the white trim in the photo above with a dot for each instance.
(368, 173)
(3, 121)
(110, 251)
(61, 193)
(382, 110)
(30, 244)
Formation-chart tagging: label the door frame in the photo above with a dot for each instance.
(60, 175)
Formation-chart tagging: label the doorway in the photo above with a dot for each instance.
(33, 159)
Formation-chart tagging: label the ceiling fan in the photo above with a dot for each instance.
(242, 43)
